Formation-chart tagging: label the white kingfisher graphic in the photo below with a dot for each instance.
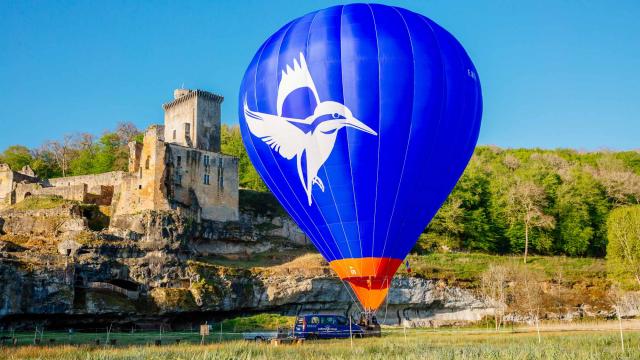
(312, 137)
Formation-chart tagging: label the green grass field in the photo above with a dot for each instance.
(418, 344)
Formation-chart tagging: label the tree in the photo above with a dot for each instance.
(525, 206)
(527, 295)
(84, 160)
(444, 230)
(62, 152)
(620, 302)
(621, 184)
(511, 162)
(581, 210)
(478, 233)
(16, 156)
(494, 283)
(107, 153)
(623, 249)
(126, 132)
(231, 143)
(44, 164)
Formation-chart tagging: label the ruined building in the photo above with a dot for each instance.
(177, 166)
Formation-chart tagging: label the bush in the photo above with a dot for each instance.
(623, 249)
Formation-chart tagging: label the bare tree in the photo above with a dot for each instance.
(511, 162)
(62, 151)
(620, 302)
(526, 202)
(621, 184)
(494, 283)
(126, 132)
(84, 141)
(527, 294)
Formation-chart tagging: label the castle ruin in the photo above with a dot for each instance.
(178, 166)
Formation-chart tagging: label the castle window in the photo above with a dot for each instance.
(206, 160)
(174, 134)
(146, 163)
(178, 179)
(187, 131)
(206, 179)
(179, 161)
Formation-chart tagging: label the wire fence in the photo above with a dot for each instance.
(104, 336)
(107, 337)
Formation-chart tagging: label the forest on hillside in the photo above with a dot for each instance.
(556, 200)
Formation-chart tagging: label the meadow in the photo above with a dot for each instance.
(416, 344)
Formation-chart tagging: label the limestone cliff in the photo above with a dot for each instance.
(60, 258)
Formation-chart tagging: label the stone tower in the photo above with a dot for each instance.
(192, 119)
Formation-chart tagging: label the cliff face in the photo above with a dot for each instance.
(161, 266)
(60, 259)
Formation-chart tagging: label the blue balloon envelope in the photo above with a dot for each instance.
(361, 119)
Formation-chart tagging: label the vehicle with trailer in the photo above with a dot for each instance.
(319, 326)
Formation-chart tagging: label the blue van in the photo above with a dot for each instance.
(325, 327)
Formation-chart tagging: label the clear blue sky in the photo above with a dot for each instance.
(554, 73)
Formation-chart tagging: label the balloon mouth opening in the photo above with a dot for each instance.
(369, 278)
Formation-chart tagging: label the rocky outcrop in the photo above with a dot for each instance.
(170, 286)
(155, 230)
(54, 222)
(52, 264)
(37, 287)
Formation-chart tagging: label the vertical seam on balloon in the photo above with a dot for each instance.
(443, 101)
(475, 128)
(460, 116)
(406, 151)
(337, 248)
(328, 180)
(324, 169)
(250, 137)
(303, 224)
(465, 149)
(278, 166)
(326, 175)
(353, 187)
(375, 207)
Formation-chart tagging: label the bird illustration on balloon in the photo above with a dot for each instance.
(361, 67)
(313, 137)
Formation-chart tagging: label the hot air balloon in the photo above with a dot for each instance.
(360, 119)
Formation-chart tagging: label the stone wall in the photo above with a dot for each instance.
(74, 192)
(95, 189)
(203, 181)
(192, 119)
(6, 185)
(208, 122)
(9, 180)
(177, 114)
(143, 188)
(94, 182)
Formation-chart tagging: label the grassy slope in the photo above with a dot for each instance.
(466, 269)
(462, 269)
(41, 202)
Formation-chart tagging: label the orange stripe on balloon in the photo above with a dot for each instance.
(369, 277)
